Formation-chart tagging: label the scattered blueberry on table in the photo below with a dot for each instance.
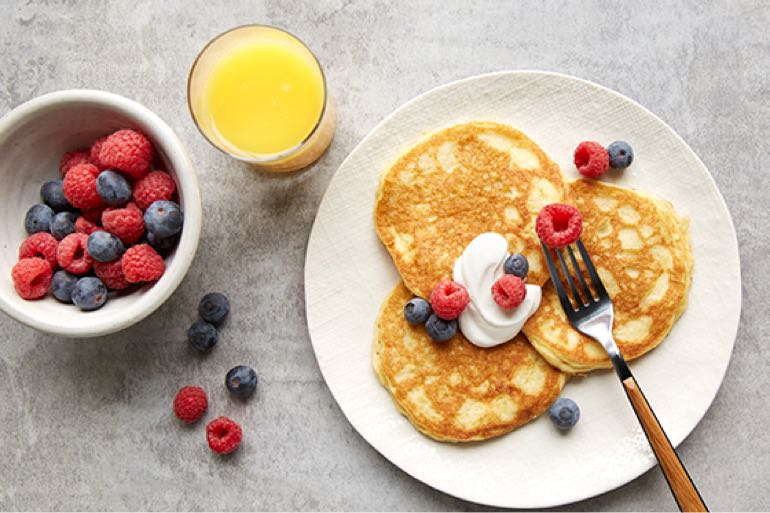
(214, 308)
(241, 381)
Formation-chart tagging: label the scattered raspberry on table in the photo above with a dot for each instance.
(190, 404)
(224, 435)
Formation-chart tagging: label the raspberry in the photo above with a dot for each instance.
(128, 151)
(72, 254)
(449, 299)
(559, 225)
(190, 404)
(591, 159)
(93, 214)
(111, 273)
(40, 244)
(83, 225)
(509, 291)
(154, 186)
(224, 435)
(93, 153)
(80, 186)
(142, 263)
(127, 223)
(31, 277)
(71, 159)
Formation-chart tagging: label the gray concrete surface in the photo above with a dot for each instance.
(86, 424)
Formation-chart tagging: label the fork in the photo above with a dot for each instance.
(592, 315)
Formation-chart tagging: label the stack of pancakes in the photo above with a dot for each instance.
(486, 177)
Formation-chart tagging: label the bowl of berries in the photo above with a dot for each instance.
(100, 214)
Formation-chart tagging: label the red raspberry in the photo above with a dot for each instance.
(80, 186)
(559, 225)
(224, 435)
(31, 277)
(509, 291)
(142, 263)
(93, 214)
(40, 244)
(111, 273)
(72, 254)
(93, 153)
(449, 299)
(127, 223)
(591, 159)
(154, 186)
(71, 159)
(128, 151)
(190, 404)
(83, 225)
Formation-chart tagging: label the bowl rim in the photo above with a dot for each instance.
(187, 181)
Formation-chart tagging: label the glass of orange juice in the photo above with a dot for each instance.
(259, 94)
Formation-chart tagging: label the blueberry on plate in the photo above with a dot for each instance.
(439, 329)
(38, 218)
(89, 293)
(516, 265)
(163, 218)
(241, 381)
(63, 224)
(52, 193)
(214, 307)
(417, 311)
(104, 246)
(202, 335)
(62, 285)
(113, 188)
(564, 413)
(621, 154)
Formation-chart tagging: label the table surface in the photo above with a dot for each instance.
(87, 424)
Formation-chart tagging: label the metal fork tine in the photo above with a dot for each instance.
(597, 282)
(557, 284)
(588, 295)
(568, 276)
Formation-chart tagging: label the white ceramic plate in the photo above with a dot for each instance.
(348, 273)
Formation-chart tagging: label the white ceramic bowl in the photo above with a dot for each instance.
(33, 137)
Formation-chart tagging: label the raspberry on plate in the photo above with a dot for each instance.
(152, 187)
(83, 225)
(190, 404)
(72, 254)
(509, 291)
(128, 151)
(559, 225)
(31, 277)
(591, 159)
(40, 244)
(80, 186)
(93, 153)
(449, 299)
(127, 223)
(224, 435)
(71, 159)
(142, 263)
(111, 273)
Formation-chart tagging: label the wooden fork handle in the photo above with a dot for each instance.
(685, 493)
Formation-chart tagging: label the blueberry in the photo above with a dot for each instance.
(417, 311)
(162, 244)
(38, 218)
(163, 219)
(241, 381)
(89, 293)
(104, 246)
(202, 335)
(516, 265)
(63, 224)
(62, 285)
(439, 329)
(52, 193)
(214, 307)
(621, 154)
(113, 188)
(564, 413)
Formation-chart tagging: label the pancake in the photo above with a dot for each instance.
(641, 250)
(455, 391)
(462, 181)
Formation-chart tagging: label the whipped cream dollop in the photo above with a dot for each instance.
(484, 322)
